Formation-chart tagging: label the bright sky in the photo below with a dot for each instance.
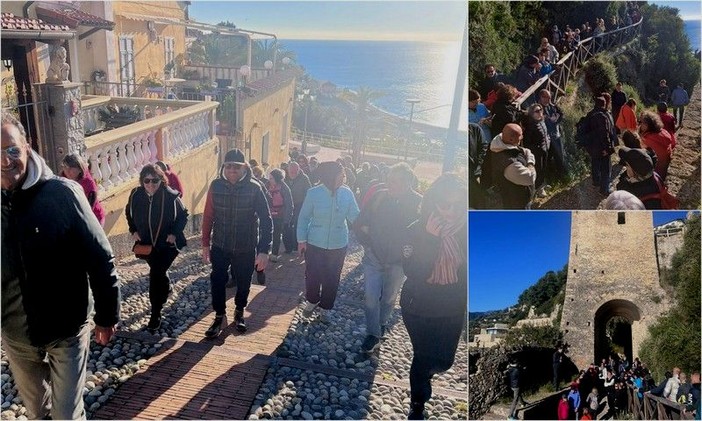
(351, 20)
(510, 251)
(689, 10)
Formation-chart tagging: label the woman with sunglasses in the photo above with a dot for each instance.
(74, 168)
(156, 216)
(434, 296)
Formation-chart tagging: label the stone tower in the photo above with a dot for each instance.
(612, 271)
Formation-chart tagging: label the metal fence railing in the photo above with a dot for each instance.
(567, 66)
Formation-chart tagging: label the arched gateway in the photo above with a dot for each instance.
(613, 292)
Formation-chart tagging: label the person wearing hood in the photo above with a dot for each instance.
(638, 179)
(512, 168)
(323, 236)
(156, 216)
(231, 238)
(54, 254)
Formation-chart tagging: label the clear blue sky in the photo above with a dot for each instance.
(510, 251)
(688, 10)
(366, 20)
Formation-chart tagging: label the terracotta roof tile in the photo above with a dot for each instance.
(10, 21)
(72, 17)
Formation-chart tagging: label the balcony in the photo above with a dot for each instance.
(166, 130)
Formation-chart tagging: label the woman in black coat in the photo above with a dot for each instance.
(434, 296)
(157, 217)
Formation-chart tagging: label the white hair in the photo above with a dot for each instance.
(623, 200)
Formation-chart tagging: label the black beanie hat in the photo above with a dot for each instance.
(235, 155)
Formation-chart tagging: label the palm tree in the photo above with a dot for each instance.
(361, 102)
(269, 50)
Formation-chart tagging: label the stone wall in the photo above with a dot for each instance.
(668, 241)
(612, 271)
(488, 381)
(270, 114)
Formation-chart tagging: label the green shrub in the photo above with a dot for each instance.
(674, 340)
(600, 75)
(533, 336)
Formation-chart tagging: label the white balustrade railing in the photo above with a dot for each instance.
(117, 156)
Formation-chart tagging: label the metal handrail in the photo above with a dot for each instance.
(570, 63)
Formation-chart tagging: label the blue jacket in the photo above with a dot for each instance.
(324, 218)
(679, 97)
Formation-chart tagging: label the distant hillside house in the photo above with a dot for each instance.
(490, 336)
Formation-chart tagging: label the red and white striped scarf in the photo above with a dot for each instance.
(450, 255)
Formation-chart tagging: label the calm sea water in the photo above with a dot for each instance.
(401, 70)
(692, 29)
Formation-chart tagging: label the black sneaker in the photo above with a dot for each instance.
(239, 321)
(370, 344)
(154, 321)
(416, 411)
(216, 327)
(261, 277)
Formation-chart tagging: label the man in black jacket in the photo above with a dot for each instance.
(600, 145)
(54, 252)
(238, 244)
(514, 372)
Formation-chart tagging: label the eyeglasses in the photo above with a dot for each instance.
(12, 152)
(152, 180)
(234, 166)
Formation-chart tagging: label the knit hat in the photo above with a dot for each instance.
(234, 155)
(638, 160)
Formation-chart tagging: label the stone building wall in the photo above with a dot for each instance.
(612, 268)
(668, 241)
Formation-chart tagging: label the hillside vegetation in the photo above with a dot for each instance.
(662, 52)
(675, 338)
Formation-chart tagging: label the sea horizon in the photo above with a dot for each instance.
(425, 70)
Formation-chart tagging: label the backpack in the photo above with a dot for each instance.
(668, 201)
(582, 133)
(277, 202)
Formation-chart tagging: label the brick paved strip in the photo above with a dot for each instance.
(188, 381)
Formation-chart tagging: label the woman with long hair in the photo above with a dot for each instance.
(434, 296)
(74, 167)
(654, 136)
(323, 236)
(157, 217)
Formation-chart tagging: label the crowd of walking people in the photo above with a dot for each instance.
(514, 154)
(603, 391)
(52, 229)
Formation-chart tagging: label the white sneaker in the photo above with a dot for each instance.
(541, 193)
(309, 309)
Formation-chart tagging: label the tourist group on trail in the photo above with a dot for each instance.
(55, 256)
(517, 144)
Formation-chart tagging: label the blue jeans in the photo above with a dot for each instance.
(383, 283)
(50, 378)
(241, 266)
